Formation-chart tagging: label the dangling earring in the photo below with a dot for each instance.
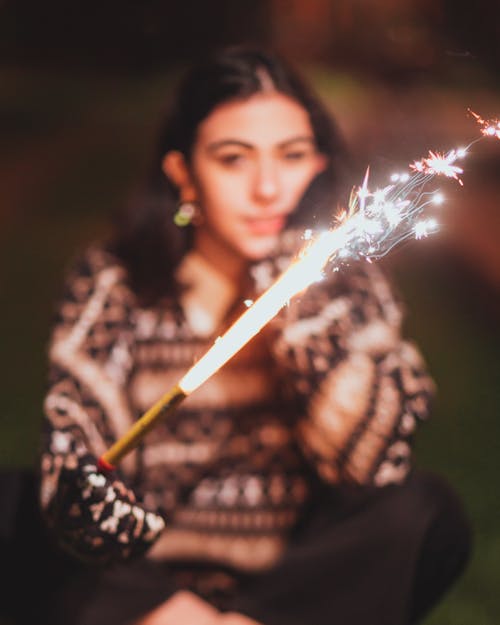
(187, 213)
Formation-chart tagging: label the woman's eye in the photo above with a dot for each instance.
(231, 159)
(295, 156)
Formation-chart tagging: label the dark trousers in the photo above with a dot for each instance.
(366, 557)
(360, 556)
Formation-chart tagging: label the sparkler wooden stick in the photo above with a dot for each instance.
(164, 406)
(297, 277)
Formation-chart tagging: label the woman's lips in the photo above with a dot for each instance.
(267, 225)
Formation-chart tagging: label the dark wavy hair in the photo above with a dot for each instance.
(147, 241)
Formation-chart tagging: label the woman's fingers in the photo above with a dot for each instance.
(184, 607)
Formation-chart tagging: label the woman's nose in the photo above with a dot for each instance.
(266, 185)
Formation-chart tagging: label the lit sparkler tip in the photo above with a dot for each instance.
(425, 227)
(380, 194)
(489, 127)
(363, 192)
(438, 198)
(341, 216)
(437, 164)
(478, 118)
(401, 177)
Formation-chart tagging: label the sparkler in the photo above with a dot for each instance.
(489, 128)
(440, 164)
(373, 224)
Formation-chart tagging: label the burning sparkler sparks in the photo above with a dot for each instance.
(437, 164)
(489, 128)
(373, 223)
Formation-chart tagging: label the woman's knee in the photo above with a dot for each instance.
(427, 504)
(445, 546)
(448, 516)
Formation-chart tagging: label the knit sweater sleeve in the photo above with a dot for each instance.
(95, 516)
(363, 388)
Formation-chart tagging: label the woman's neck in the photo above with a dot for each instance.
(214, 280)
(223, 259)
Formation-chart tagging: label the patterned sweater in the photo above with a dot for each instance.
(328, 388)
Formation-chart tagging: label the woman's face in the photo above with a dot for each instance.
(251, 163)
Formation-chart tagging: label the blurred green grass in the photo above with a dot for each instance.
(74, 145)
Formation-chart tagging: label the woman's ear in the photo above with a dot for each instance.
(322, 161)
(175, 167)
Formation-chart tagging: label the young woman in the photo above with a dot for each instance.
(281, 491)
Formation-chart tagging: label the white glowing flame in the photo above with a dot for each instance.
(437, 164)
(422, 229)
(489, 127)
(374, 223)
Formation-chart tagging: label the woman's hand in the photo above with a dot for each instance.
(98, 517)
(186, 608)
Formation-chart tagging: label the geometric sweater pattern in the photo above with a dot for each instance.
(329, 389)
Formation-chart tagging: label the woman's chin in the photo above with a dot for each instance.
(261, 247)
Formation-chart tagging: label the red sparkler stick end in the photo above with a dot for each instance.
(105, 466)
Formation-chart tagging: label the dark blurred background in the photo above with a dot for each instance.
(82, 88)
